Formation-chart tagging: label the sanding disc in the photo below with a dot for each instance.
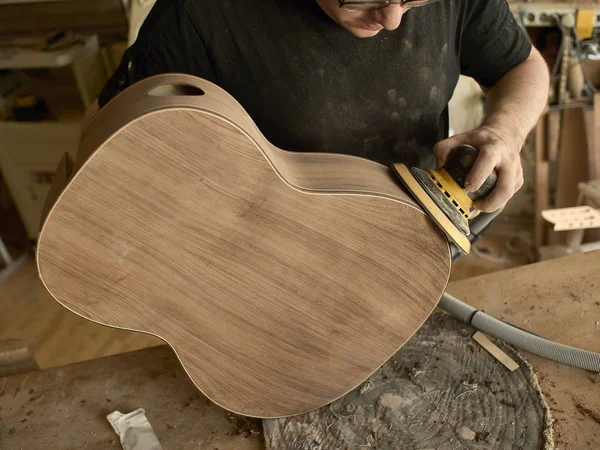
(432, 209)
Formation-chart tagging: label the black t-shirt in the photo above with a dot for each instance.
(312, 86)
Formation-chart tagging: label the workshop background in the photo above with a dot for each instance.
(55, 55)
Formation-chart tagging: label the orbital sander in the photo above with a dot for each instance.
(442, 194)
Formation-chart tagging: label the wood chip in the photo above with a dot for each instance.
(466, 434)
(495, 351)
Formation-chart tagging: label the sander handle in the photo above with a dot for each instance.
(459, 164)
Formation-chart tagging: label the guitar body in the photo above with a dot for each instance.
(281, 280)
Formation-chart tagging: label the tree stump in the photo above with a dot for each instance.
(440, 391)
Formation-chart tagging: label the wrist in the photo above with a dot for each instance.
(507, 129)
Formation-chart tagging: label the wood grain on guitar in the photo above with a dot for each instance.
(281, 280)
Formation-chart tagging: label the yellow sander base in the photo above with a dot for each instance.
(432, 209)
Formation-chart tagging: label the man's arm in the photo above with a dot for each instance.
(514, 105)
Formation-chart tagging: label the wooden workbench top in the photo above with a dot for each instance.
(66, 407)
(559, 300)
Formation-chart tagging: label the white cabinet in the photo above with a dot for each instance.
(30, 151)
(29, 154)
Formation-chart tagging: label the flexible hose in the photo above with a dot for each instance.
(519, 338)
(456, 308)
(509, 333)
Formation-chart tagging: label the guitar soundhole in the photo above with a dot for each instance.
(169, 90)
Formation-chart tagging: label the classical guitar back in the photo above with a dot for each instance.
(282, 280)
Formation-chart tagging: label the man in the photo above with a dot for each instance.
(372, 79)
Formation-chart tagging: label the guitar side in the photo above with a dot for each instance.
(282, 280)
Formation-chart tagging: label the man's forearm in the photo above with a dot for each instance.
(515, 103)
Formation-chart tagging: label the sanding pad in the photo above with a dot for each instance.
(452, 231)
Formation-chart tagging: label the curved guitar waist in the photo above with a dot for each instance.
(281, 280)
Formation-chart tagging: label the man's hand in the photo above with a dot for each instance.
(514, 105)
(498, 149)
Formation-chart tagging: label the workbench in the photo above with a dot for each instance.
(66, 407)
(558, 299)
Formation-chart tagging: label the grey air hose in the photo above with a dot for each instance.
(507, 332)
(519, 338)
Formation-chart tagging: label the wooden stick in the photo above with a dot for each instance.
(495, 351)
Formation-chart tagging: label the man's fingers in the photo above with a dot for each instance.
(499, 196)
(494, 153)
(519, 183)
(483, 166)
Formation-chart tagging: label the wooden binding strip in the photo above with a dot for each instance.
(495, 351)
